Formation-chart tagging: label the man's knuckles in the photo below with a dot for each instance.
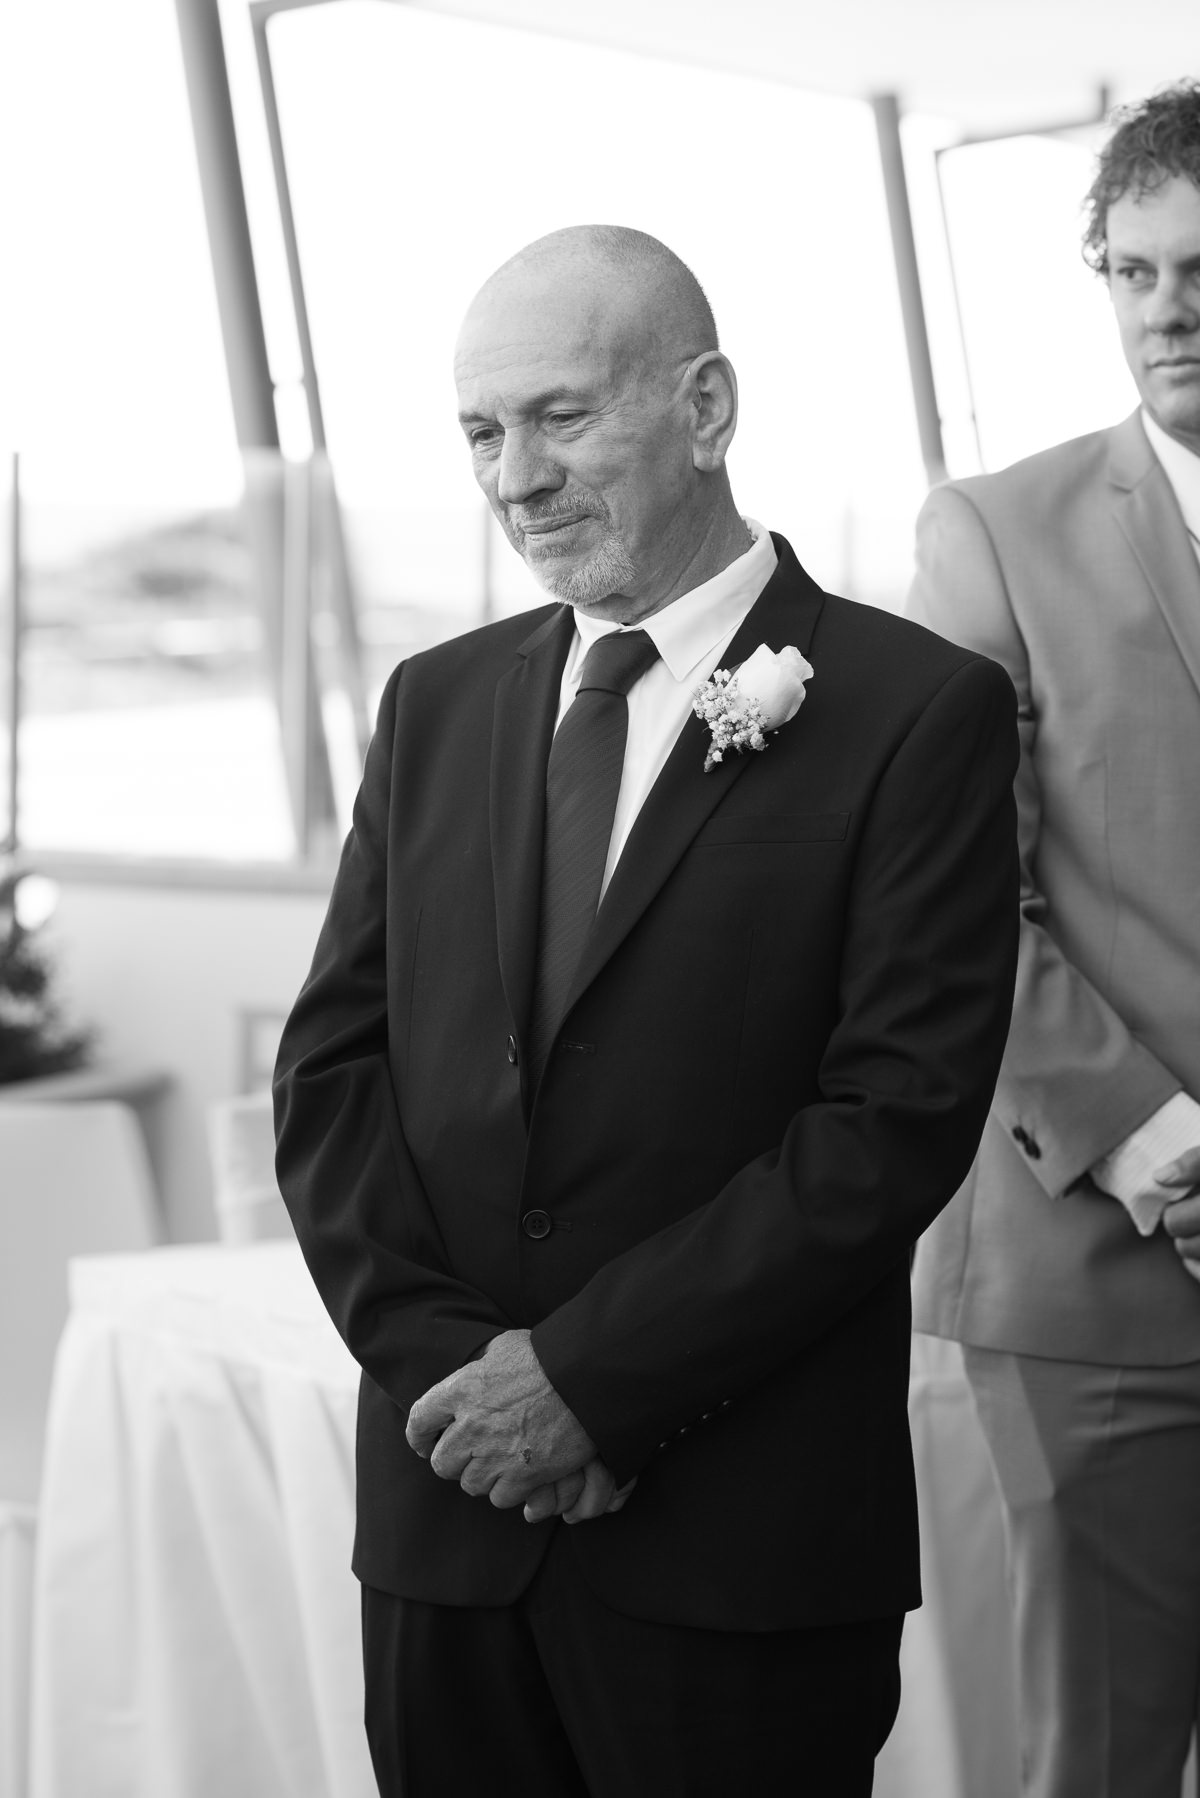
(421, 1438)
(540, 1505)
(567, 1492)
(476, 1479)
(428, 1416)
(442, 1463)
(509, 1491)
(451, 1453)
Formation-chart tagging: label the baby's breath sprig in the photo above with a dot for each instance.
(734, 723)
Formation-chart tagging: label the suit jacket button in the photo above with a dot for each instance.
(511, 1050)
(537, 1224)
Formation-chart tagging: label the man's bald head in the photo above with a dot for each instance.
(619, 267)
(598, 408)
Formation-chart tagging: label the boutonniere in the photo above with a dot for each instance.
(760, 696)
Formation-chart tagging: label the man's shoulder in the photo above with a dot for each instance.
(1041, 484)
(871, 639)
(486, 645)
(886, 671)
(862, 639)
(472, 659)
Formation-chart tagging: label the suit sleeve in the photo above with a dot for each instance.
(360, 1213)
(703, 1311)
(1075, 1081)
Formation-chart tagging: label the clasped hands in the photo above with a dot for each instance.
(1181, 1219)
(499, 1428)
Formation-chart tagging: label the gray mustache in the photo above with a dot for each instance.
(522, 516)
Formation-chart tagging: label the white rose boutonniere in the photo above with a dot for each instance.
(758, 697)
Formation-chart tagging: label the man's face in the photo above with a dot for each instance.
(580, 442)
(1154, 279)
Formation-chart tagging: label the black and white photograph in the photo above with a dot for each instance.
(599, 899)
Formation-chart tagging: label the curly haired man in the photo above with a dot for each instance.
(1069, 1264)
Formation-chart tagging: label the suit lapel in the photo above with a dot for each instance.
(683, 796)
(1147, 513)
(522, 727)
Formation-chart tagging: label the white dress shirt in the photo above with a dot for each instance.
(1182, 468)
(691, 635)
(1128, 1172)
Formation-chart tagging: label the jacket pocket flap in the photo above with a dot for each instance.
(775, 827)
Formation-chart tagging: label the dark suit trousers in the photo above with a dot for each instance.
(557, 1696)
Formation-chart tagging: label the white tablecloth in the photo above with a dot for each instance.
(955, 1736)
(196, 1621)
(197, 1626)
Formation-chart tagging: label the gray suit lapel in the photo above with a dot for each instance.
(1147, 512)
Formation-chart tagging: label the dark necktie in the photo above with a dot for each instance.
(583, 779)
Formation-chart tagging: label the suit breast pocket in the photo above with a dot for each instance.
(773, 827)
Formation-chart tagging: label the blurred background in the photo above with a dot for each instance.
(236, 239)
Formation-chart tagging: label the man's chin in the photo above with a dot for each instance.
(554, 574)
(1176, 409)
(582, 584)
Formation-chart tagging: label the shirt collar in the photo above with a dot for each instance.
(1181, 467)
(696, 623)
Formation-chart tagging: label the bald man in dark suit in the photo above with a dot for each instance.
(638, 1048)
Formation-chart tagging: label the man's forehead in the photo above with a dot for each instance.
(526, 334)
(566, 313)
(1169, 211)
(530, 370)
(537, 350)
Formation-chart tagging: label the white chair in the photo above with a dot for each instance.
(241, 1140)
(74, 1180)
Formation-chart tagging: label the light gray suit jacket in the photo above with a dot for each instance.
(1074, 570)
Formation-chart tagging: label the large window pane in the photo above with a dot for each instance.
(147, 727)
(1039, 337)
(8, 600)
(149, 722)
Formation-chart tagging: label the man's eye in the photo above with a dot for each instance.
(563, 418)
(480, 436)
(1130, 273)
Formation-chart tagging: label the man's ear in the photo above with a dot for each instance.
(714, 399)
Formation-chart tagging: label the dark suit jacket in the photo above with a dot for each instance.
(773, 1072)
(1074, 570)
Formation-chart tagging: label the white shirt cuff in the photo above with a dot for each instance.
(1128, 1172)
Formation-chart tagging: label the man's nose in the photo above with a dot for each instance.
(525, 469)
(1170, 308)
